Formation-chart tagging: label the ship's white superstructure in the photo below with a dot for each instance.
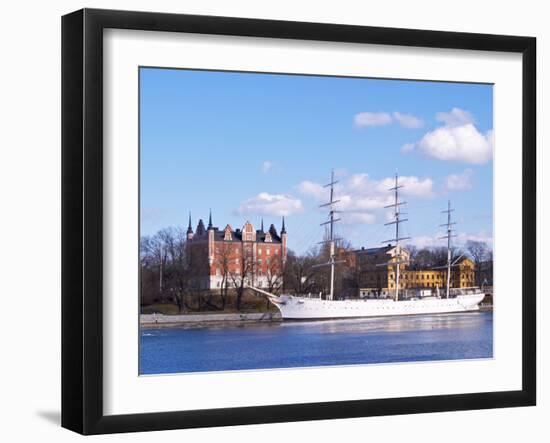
(293, 307)
(306, 308)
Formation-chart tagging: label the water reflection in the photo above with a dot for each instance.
(391, 324)
(225, 347)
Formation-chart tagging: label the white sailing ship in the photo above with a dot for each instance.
(296, 307)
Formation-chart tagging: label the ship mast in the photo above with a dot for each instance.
(397, 220)
(332, 258)
(449, 228)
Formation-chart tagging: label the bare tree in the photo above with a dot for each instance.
(299, 274)
(274, 274)
(223, 262)
(432, 256)
(479, 252)
(164, 267)
(244, 272)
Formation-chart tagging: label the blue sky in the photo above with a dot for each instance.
(260, 145)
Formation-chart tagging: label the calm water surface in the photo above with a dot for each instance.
(318, 343)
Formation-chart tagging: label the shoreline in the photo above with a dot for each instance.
(161, 320)
(149, 321)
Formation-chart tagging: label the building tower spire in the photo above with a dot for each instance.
(262, 226)
(283, 230)
(189, 227)
(210, 220)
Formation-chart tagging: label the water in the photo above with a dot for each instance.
(319, 343)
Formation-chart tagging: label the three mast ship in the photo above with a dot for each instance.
(404, 302)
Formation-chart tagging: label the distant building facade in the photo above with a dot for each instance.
(485, 274)
(376, 272)
(225, 257)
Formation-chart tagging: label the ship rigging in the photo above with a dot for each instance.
(299, 307)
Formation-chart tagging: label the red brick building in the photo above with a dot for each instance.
(222, 257)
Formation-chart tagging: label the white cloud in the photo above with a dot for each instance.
(313, 189)
(412, 185)
(352, 218)
(457, 140)
(364, 119)
(270, 204)
(408, 120)
(459, 182)
(266, 167)
(360, 197)
(424, 241)
(457, 117)
(457, 143)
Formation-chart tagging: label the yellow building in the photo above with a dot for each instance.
(376, 273)
(463, 274)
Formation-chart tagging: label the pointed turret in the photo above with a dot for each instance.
(210, 233)
(262, 226)
(200, 228)
(283, 240)
(189, 229)
(210, 226)
(273, 230)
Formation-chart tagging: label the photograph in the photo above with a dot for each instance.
(267, 222)
(297, 221)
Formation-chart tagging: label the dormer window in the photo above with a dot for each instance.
(248, 232)
(228, 233)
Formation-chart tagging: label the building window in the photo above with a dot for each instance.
(267, 251)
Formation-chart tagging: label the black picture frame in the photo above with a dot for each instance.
(82, 215)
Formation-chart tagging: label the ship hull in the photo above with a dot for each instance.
(299, 308)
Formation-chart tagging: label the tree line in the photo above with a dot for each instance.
(479, 252)
(169, 272)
